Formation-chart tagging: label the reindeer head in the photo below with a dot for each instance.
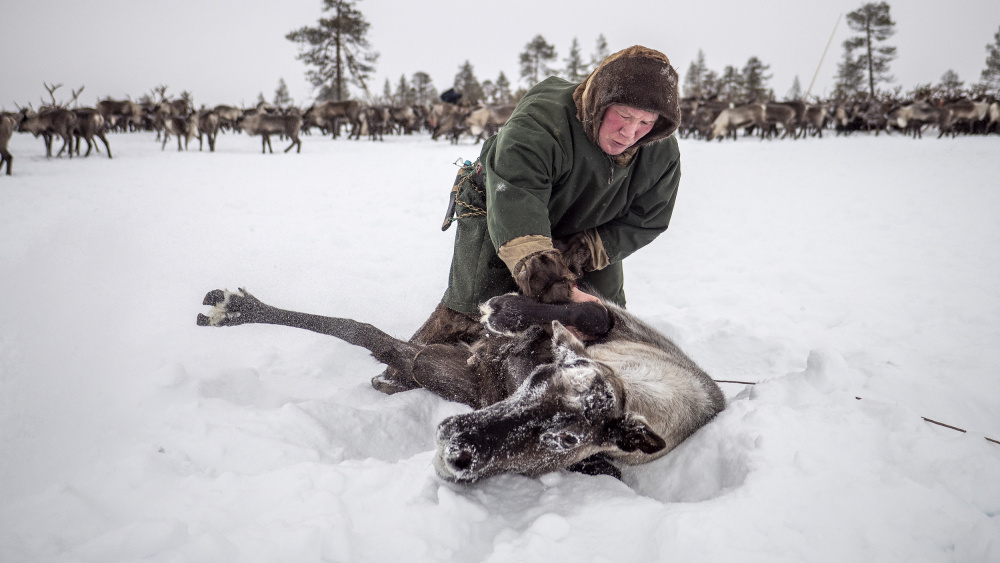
(564, 412)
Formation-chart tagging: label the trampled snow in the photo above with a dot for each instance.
(822, 269)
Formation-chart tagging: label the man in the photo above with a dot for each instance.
(580, 177)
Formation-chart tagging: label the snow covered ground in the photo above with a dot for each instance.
(823, 269)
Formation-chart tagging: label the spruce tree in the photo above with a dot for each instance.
(694, 79)
(503, 93)
(404, 96)
(731, 85)
(489, 91)
(755, 80)
(337, 50)
(600, 52)
(468, 85)
(951, 86)
(711, 84)
(424, 92)
(875, 25)
(795, 93)
(282, 99)
(534, 60)
(387, 97)
(991, 74)
(576, 70)
(850, 73)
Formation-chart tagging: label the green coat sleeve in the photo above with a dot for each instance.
(521, 167)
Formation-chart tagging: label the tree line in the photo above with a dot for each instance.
(861, 74)
(338, 54)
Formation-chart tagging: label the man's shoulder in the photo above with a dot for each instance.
(666, 148)
(551, 94)
(546, 110)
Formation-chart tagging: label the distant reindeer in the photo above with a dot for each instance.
(265, 125)
(52, 120)
(731, 120)
(89, 124)
(784, 114)
(330, 115)
(228, 116)
(208, 123)
(50, 123)
(375, 122)
(181, 127)
(120, 115)
(7, 125)
(965, 112)
(544, 398)
(911, 118)
(814, 120)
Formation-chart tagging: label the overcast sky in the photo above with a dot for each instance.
(228, 51)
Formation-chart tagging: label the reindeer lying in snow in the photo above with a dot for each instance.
(545, 399)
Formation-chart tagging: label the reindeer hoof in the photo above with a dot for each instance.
(214, 297)
(229, 308)
(503, 315)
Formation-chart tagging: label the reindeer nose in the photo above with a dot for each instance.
(460, 452)
(462, 461)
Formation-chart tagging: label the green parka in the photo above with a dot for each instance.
(546, 178)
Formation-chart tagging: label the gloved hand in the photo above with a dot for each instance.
(582, 252)
(545, 276)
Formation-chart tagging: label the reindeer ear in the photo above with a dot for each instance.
(633, 433)
(566, 348)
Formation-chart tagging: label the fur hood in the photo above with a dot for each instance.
(638, 77)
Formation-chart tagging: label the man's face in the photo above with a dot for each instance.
(622, 127)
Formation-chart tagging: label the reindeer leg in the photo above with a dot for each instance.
(514, 313)
(236, 308)
(106, 145)
(67, 146)
(442, 369)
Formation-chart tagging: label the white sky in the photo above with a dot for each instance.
(228, 51)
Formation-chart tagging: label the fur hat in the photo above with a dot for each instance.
(638, 77)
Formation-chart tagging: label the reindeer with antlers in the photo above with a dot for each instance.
(51, 120)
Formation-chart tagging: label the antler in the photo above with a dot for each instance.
(76, 94)
(51, 90)
(162, 91)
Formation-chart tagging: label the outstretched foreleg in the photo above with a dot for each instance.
(442, 369)
(515, 313)
(239, 307)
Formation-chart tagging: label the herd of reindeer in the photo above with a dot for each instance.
(701, 119)
(720, 120)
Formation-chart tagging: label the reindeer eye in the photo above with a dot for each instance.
(560, 441)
